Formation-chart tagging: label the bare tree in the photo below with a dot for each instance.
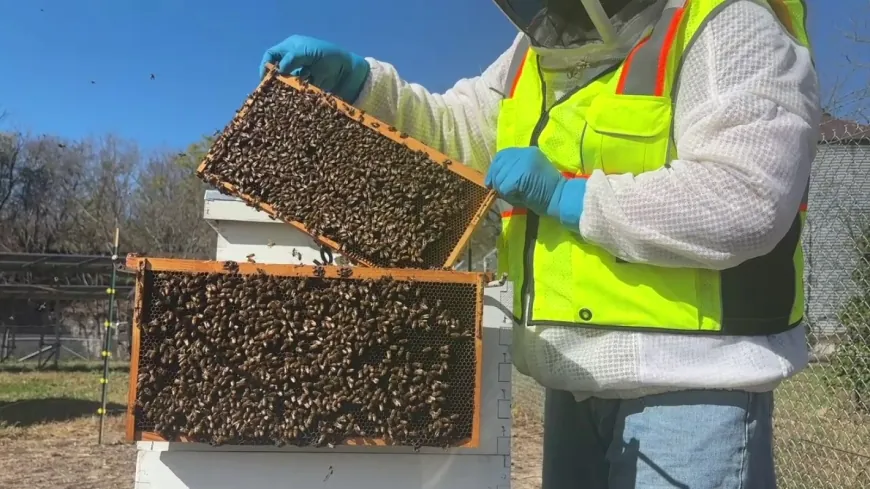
(167, 207)
(39, 214)
(848, 97)
(68, 196)
(10, 150)
(106, 191)
(65, 196)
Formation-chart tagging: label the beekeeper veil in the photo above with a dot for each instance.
(565, 24)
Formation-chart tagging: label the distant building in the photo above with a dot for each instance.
(839, 208)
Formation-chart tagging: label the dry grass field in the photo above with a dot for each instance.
(821, 442)
(49, 425)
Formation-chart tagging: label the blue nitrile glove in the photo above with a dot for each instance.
(524, 177)
(324, 64)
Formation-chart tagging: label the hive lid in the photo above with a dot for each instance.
(221, 207)
(216, 195)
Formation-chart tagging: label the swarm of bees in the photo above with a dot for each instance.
(253, 358)
(230, 358)
(384, 203)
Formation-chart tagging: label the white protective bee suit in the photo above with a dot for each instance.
(746, 121)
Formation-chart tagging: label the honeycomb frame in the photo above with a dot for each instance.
(149, 266)
(466, 173)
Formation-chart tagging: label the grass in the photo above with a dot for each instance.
(49, 427)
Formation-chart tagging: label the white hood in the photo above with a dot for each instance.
(609, 40)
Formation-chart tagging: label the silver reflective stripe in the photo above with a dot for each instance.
(643, 67)
(514, 69)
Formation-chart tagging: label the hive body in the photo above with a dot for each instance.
(353, 182)
(266, 354)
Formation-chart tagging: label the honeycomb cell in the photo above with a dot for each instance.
(384, 203)
(237, 358)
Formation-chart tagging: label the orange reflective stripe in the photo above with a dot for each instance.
(516, 211)
(517, 79)
(783, 15)
(515, 70)
(645, 69)
(666, 51)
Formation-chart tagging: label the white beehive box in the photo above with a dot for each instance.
(243, 231)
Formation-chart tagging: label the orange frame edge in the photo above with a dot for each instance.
(381, 128)
(143, 264)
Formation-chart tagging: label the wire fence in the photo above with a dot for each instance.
(48, 349)
(822, 417)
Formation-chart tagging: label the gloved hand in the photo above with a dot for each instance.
(524, 177)
(327, 66)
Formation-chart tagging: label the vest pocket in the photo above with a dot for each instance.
(510, 262)
(579, 283)
(627, 133)
(612, 292)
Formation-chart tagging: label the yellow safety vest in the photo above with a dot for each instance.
(622, 122)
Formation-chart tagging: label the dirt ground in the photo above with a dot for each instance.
(526, 452)
(49, 427)
(65, 455)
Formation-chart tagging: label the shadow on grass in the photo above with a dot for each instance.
(18, 368)
(28, 412)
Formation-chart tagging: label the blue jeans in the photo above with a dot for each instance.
(680, 440)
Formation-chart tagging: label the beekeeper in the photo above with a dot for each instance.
(656, 157)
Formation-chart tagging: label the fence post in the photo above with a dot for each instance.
(104, 380)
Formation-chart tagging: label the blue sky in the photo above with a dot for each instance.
(204, 55)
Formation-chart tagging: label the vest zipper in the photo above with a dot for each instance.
(527, 291)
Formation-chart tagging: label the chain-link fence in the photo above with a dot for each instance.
(822, 415)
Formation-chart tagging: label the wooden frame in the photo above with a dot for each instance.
(144, 265)
(381, 128)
